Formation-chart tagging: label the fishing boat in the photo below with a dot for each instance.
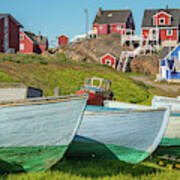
(172, 134)
(98, 90)
(35, 133)
(130, 136)
(161, 101)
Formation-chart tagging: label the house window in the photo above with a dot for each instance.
(169, 32)
(118, 28)
(108, 61)
(122, 26)
(110, 15)
(154, 31)
(163, 63)
(161, 21)
(21, 37)
(100, 27)
(21, 46)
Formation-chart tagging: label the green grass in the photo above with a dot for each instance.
(100, 169)
(52, 72)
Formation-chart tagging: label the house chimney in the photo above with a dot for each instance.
(167, 7)
(99, 12)
(39, 35)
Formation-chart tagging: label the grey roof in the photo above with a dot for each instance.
(9, 15)
(165, 51)
(36, 39)
(112, 16)
(148, 17)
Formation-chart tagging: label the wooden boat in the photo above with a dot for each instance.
(35, 133)
(172, 134)
(130, 136)
(98, 90)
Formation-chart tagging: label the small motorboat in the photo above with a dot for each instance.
(98, 90)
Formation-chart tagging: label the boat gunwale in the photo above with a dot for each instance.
(42, 100)
(126, 111)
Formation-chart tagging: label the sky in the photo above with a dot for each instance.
(56, 17)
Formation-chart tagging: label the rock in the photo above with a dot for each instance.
(147, 64)
(92, 49)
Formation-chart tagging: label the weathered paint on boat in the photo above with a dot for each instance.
(34, 134)
(130, 136)
(172, 134)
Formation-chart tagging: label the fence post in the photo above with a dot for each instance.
(57, 92)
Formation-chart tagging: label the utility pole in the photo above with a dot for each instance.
(87, 22)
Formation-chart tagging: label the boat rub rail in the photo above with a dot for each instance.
(124, 112)
(42, 100)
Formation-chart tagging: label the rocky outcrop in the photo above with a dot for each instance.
(91, 50)
(147, 64)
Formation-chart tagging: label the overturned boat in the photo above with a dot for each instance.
(35, 133)
(172, 134)
(130, 136)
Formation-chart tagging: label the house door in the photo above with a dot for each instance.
(163, 72)
(154, 35)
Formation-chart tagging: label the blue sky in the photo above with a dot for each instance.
(56, 17)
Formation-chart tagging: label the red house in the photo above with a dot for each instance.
(31, 43)
(109, 59)
(63, 40)
(114, 21)
(9, 33)
(162, 26)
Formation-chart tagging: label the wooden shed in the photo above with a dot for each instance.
(18, 91)
(63, 40)
(109, 59)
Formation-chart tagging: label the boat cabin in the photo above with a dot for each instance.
(97, 83)
(99, 89)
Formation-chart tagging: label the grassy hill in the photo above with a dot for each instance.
(52, 72)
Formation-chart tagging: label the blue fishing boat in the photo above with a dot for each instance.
(35, 133)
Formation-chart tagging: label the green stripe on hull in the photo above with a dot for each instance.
(170, 142)
(15, 159)
(105, 151)
(129, 155)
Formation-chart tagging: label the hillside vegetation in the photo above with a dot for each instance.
(52, 72)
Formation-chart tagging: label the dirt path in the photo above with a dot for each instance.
(161, 88)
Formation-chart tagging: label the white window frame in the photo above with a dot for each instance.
(118, 28)
(169, 34)
(101, 27)
(160, 21)
(108, 62)
(21, 46)
(179, 55)
(110, 15)
(21, 37)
